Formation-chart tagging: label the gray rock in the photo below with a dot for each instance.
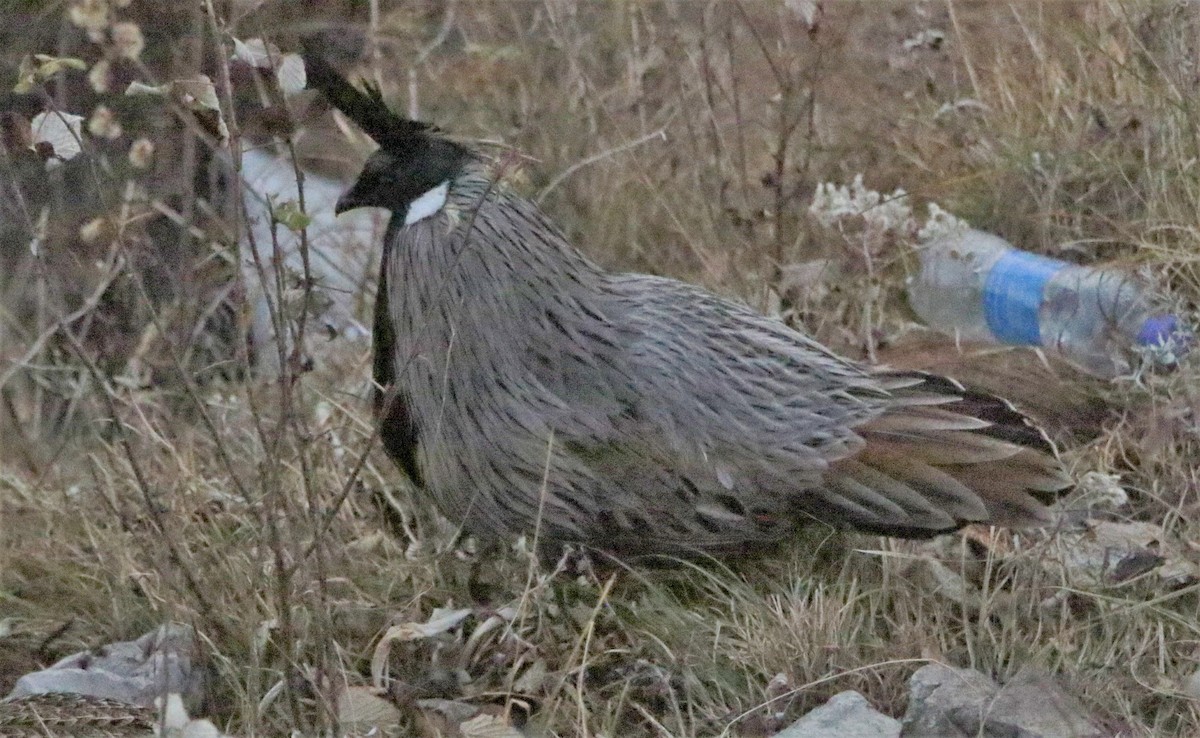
(945, 702)
(1036, 705)
(940, 696)
(845, 715)
(134, 672)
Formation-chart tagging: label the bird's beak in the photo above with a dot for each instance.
(351, 199)
(348, 201)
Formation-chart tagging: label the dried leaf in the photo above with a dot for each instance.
(488, 726)
(453, 711)
(26, 76)
(458, 718)
(291, 74)
(42, 67)
(531, 681)
(141, 88)
(49, 66)
(440, 621)
(197, 93)
(361, 709)
(256, 52)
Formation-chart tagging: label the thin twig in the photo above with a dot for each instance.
(660, 134)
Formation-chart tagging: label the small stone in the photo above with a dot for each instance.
(845, 715)
(948, 703)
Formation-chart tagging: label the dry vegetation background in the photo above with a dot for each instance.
(147, 474)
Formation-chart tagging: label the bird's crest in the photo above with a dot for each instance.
(365, 107)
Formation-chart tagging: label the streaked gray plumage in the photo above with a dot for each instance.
(641, 414)
(527, 389)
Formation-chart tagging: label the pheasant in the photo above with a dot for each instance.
(524, 389)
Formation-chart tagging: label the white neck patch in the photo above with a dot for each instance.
(427, 204)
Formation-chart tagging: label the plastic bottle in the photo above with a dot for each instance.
(980, 287)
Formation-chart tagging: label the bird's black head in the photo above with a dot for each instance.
(412, 158)
(393, 177)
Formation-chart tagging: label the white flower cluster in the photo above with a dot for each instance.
(941, 224)
(857, 208)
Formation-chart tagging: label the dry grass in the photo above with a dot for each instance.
(683, 139)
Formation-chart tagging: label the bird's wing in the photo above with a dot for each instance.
(697, 417)
(737, 383)
(732, 423)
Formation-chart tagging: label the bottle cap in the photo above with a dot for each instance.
(1157, 329)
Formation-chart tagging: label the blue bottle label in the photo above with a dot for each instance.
(1012, 296)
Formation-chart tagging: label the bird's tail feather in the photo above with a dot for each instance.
(942, 456)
